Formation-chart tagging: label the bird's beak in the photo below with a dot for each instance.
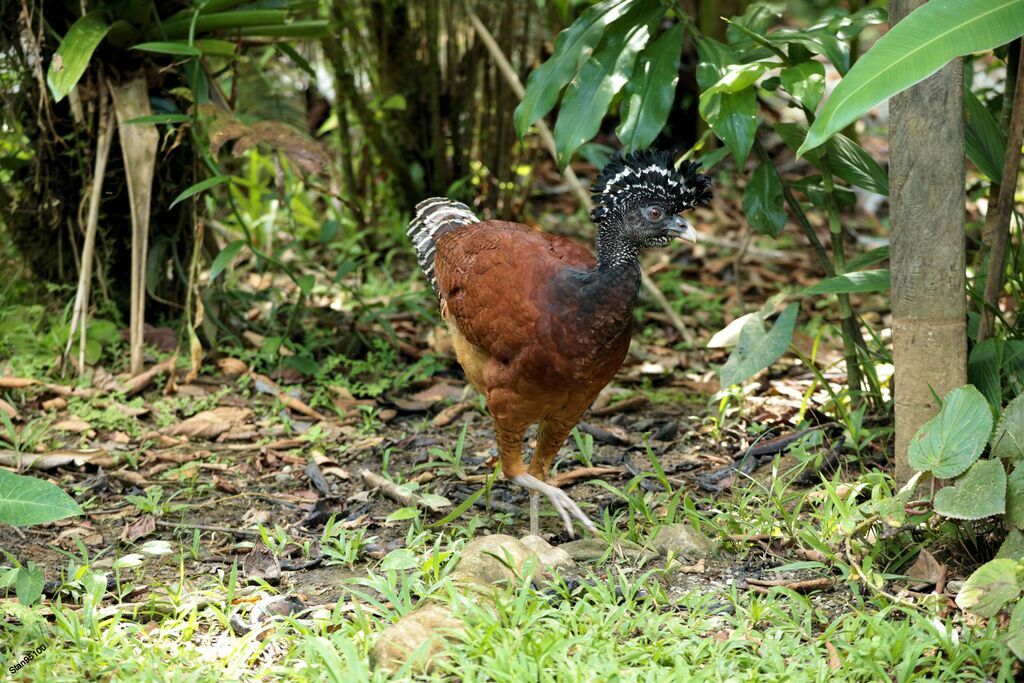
(681, 228)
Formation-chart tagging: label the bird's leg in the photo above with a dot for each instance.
(550, 437)
(560, 500)
(534, 512)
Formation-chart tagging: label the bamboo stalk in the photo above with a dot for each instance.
(997, 222)
(79, 316)
(570, 176)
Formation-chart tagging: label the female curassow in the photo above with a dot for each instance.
(538, 324)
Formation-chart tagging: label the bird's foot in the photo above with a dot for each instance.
(566, 506)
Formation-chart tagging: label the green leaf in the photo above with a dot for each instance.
(304, 364)
(986, 144)
(29, 584)
(868, 258)
(912, 50)
(400, 559)
(733, 118)
(1008, 439)
(213, 47)
(758, 18)
(847, 160)
(27, 500)
(75, 52)
(850, 283)
(1015, 497)
(715, 58)
(947, 444)
(201, 186)
(602, 76)
(159, 118)
(736, 77)
(757, 349)
(1013, 547)
(402, 514)
(979, 493)
(169, 48)
(547, 80)
(1015, 631)
(649, 94)
(462, 507)
(805, 82)
(816, 41)
(855, 166)
(991, 586)
(434, 501)
(763, 202)
(305, 283)
(984, 370)
(224, 258)
(793, 135)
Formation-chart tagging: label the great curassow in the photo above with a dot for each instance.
(538, 323)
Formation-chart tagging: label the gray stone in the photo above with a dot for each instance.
(592, 549)
(492, 559)
(422, 634)
(500, 558)
(548, 556)
(682, 541)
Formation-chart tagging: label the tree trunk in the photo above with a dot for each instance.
(929, 305)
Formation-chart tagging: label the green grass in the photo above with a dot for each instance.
(625, 622)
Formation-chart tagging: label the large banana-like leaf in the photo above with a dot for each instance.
(651, 91)
(986, 144)
(603, 75)
(546, 81)
(138, 147)
(74, 53)
(912, 50)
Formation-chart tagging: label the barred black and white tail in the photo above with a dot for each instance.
(435, 217)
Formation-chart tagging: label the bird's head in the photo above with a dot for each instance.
(638, 198)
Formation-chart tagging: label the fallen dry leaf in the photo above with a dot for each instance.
(57, 403)
(73, 424)
(926, 569)
(260, 563)
(450, 414)
(143, 526)
(209, 424)
(7, 409)
(232, 367)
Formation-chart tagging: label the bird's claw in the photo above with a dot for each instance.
(560, 500)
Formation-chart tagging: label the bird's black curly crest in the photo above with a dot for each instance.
(647, 177)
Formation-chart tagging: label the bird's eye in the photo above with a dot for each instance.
(653, 213)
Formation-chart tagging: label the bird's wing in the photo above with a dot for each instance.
(495, 283)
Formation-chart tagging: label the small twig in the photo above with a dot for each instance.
(80, 311)
(805, 586)
(286, 399)
(144, 379)
(206, 527)
(572, 476)
(390, 489)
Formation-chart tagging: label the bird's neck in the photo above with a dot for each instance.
(614, 252)
(615, 281)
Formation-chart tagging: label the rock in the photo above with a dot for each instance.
(422, 634)
(480, 561)
(682, 540)
(591, 549)
(500, 558)
(548, 556)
